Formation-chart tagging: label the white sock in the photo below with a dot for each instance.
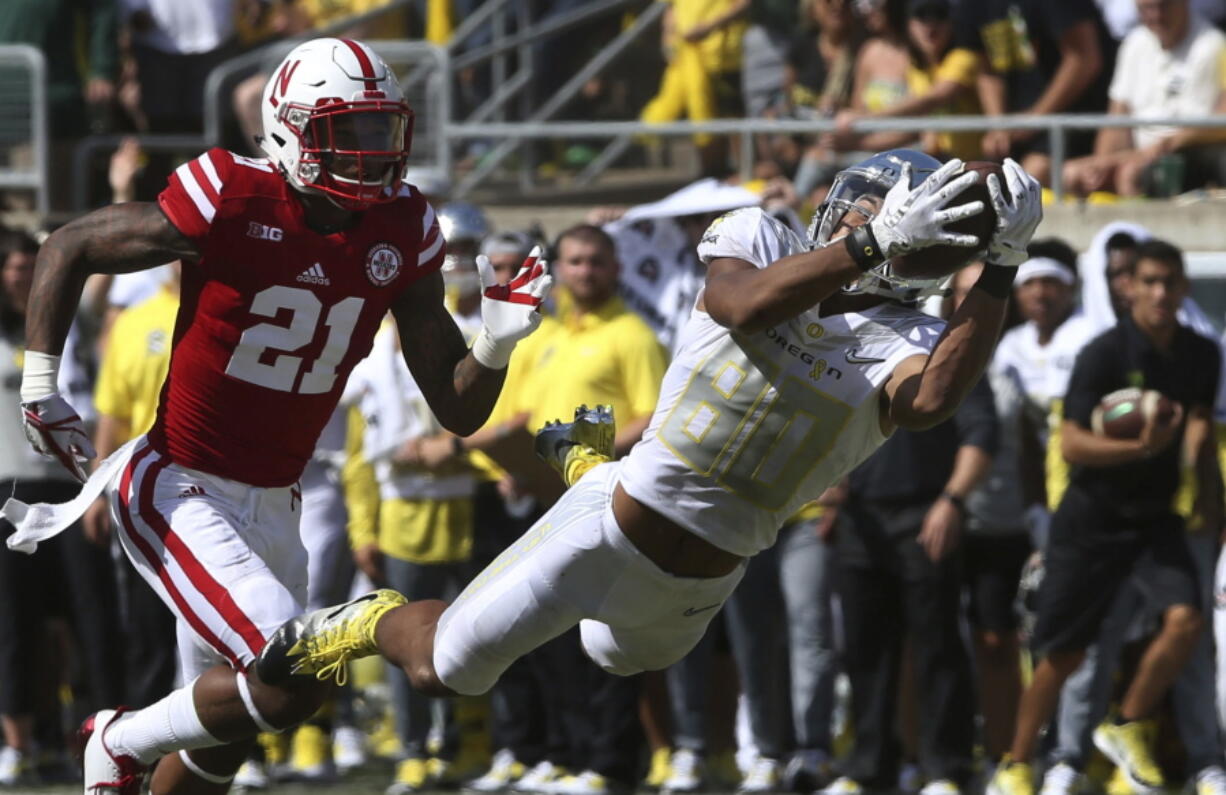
(159, 729)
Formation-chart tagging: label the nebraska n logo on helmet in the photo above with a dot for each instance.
(336, 123)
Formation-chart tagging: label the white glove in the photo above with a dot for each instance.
(56, 431)
(913, 219)
(1017, 217)
(509, 311)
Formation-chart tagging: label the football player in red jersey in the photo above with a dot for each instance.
(290, 264)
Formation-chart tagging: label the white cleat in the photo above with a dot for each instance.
(348, 748)
(251, 776)
(843, 786)
(539, 777)
(763, 776)
(13, 766)
(504, 771)
(942, 786)
(1062, 779)
(1211, 781)
(687, 772)
(589, 782)
(104, 772)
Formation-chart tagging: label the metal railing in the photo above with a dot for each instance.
(221, 79)
(1057, 125)
(429, 94)
(25, 133)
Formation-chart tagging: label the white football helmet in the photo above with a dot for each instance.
(854, 199)
(336, 122)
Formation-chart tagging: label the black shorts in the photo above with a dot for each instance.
(1089, 556)
(992, 568)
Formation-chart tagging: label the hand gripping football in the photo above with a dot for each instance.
(934, 262)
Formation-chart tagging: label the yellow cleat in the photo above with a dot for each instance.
(573, 448)
(1118, 784)
(321, 643)
(411, 776)
(310, 753)
(1012, 778)
(384, 740)
(1128, 746)
(660, 768)
(442, 773)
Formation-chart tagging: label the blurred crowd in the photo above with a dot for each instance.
(880, 645)
(140, 66)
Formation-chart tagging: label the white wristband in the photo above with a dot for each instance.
(39, 375)
(489, 353)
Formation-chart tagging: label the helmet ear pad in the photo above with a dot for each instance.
(319, 109)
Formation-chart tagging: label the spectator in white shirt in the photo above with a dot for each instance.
(176, 43)
(1172, 66)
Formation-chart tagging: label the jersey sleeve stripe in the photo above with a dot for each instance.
(427, 221)
(202, 180)
(210, 171)
(195, 192)
(428, 253)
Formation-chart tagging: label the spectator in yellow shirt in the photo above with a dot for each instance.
(702, 81)
(596, 350)
(941, 79)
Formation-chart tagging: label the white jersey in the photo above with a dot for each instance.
(1043, 370)
(750, 427)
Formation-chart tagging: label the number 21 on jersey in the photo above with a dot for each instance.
(263, 357)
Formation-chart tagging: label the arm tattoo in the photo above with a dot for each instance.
(461, 392)
(118, 239)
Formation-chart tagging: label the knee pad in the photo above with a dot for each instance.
(602, 647)
(460, 667)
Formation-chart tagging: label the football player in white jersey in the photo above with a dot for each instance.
(800, 359)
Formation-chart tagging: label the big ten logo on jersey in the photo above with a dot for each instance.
(262, 232)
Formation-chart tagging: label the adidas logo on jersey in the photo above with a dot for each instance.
(314, 275)
(192, 491)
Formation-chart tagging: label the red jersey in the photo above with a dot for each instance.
(273, 316)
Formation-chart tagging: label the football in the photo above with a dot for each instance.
(937, 261)
(1123, 413)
